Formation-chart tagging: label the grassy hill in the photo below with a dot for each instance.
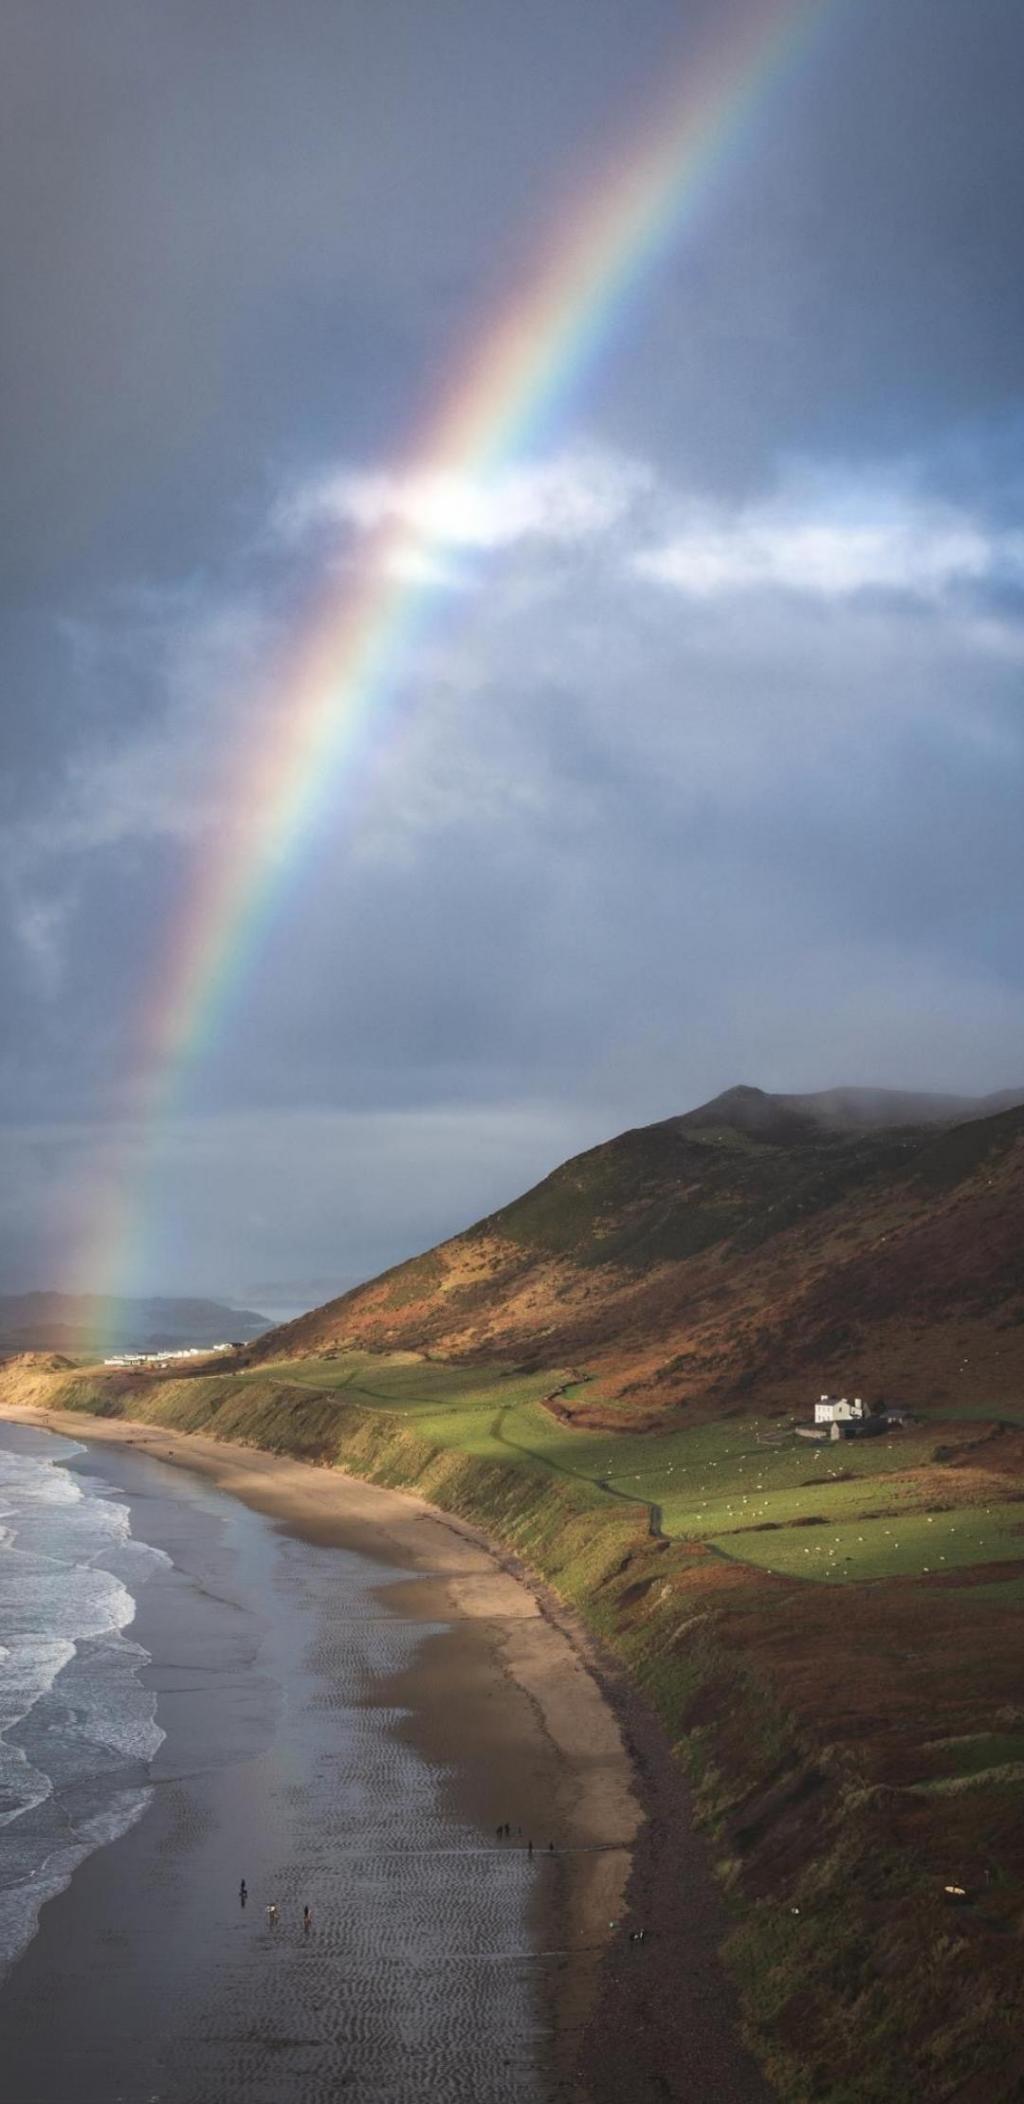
(768, 1245)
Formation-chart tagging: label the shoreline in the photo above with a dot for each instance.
(504, 1635)
(534, 1712)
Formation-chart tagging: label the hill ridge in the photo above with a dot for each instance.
(771, 1242)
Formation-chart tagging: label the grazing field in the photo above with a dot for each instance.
(840, 1512)
(903, 1544)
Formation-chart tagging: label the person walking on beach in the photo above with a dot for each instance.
(243, 1892)
(271, 1916)
(307, 1921)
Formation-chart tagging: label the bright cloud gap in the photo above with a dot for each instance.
(832, 546)
(823, 532)
(572, 498)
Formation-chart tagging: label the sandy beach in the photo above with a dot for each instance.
(505, 1695)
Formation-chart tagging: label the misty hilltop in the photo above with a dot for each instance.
(842, 1110)
(775, 1243)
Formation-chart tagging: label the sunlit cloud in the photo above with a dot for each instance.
(572, 498)
(586, 624)
(831, 542)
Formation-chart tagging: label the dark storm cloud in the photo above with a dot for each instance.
(712, 768)
(854, 287)
(248, 231)
(251, 231)
(542, 869)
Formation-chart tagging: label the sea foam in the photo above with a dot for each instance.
(77, 1727)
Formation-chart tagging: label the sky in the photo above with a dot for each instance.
(708, 767)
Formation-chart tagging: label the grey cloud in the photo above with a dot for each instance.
(234, 234)
(609, 845)
(576, 784)
(276, 1192)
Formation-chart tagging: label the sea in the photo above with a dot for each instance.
(78, 1728)
(191, 1695)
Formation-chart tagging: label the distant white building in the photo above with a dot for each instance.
(162, 1360)
(848, 1417)
(838, 1410)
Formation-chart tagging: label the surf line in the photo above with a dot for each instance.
(328, 694)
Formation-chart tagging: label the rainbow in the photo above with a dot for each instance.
(506, 392)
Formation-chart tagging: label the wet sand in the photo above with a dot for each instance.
(504, 1696)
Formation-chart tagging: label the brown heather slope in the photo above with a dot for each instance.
(767, 1243)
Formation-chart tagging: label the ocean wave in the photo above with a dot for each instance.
(22, 1901)
(77, 1726)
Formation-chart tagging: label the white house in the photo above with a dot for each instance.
(838, 1410)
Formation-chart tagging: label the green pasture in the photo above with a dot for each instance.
(834, 1512)
(490, 1413)
(905, 1544)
